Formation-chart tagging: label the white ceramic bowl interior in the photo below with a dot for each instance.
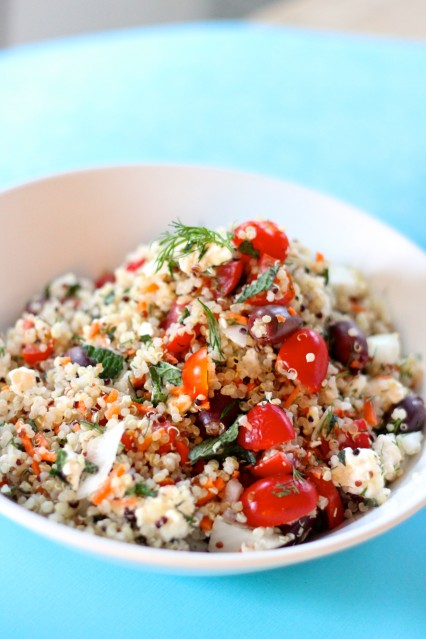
(87, 221)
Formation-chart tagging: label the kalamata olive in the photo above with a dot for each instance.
(222, 409)
(301, 528)
(271, 324)
(348, 344)
(408, 416)
(78, 355)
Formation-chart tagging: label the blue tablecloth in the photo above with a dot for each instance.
(342, 114)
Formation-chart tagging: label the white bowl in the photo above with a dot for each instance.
(86, 221)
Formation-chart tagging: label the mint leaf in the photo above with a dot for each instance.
(58, 466)
(222, 446)
(342, 457)
(90, 468)
(263, 283)
(141, 490)
(160, 374)
(247, 248)
(112, 363)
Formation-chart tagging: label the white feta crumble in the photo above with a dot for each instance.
(168, 515)
(410, 443)
(384, 348)
(227, 537)
(22, 379)
(360, 474)
(390, 455)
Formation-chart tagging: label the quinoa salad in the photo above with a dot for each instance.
(219, 391)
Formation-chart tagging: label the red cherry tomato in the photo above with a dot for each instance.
(133, 266)
(305, 351)
(129, 440)
(278, 500)
(195, 374)
(269, 426)
(269, 238)
(175, 313)
(36, 353)
(361, 439)
(228, 276)
(179, 343)
(274, 464)
(334, 510)
(104, 279)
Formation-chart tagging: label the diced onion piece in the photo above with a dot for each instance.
(102, 451)
(237, 334)
(384, 348)
(233, 538)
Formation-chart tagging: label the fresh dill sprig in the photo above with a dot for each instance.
(297, 475)
(188, 239)
(213, 324)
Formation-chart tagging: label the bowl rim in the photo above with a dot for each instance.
(202, 563)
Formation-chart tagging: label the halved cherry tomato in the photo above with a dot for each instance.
(305, 351)
(228, 276)
(334, 510)
(129, 440)
(261, 299)
(278, 500)
(195, 374)
(36, 353)
(104, 279)
(269, 238)
(269, 425)
(133, 266)
(361, 439)
(274, 464)
(183, 451)
(179, 343)
(175, 313)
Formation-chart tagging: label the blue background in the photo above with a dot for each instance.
(343, 114)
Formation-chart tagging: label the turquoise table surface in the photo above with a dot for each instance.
(342, 114)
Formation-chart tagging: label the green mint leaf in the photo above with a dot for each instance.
(160, 374)
(145, 339)
(109, 297)
(215, 446)
(342, 457)
(185, 313)
(72, 290)
(326, 275)
(247, 248)
(263, 283)
(112, 363)
(227, 409)
(141, 490)
(58, 466)
(90, 468)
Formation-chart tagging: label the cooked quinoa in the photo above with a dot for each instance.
(220, 391)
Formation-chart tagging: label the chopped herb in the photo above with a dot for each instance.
(109, 297)
(58, 467)
(227, 409)
(33, 425)
(93, 425)
(188, 518)
(112, 363)
(2, 424)
(214, 339)
(286, 490)
(141, 490)
(110, 331)
(222, 446)
(297, 475)
(2, 350)
(364, 492)
(326, 276)
(90, 468)
(72, 289)
(247, 248)
(133, 395)
(46, 292)
(329, 422)
(184, 315)
(185, 240)
(161, 373)
(342, 457)
(343, 374)
(146, 339)
(263, 283)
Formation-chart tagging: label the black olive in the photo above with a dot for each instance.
(413, 421)
(348, 345)
(281, 325)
